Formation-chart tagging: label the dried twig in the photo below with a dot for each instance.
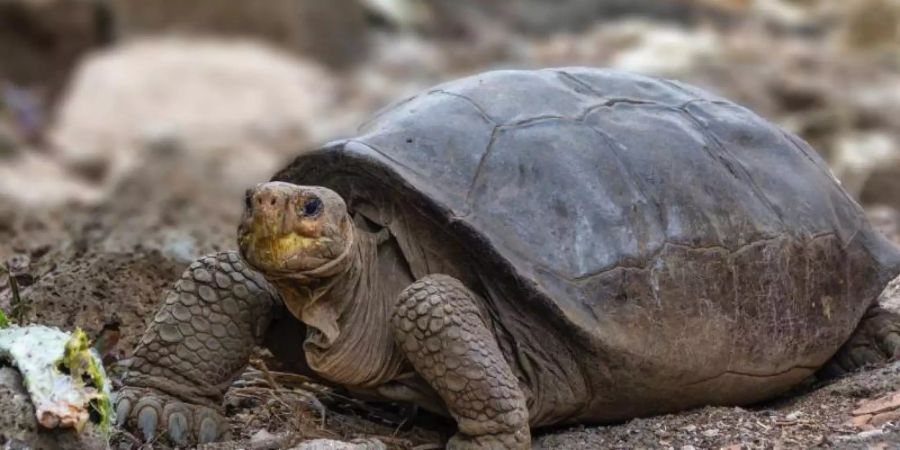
(16, 301)
(280, 387)
(19, 308)
(260, 365)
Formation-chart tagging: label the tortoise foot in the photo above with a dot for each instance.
(153, 414)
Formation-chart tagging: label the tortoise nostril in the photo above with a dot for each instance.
(272, 201)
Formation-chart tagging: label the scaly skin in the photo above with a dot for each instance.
(198, 342)
(876, 340)
(440, 328)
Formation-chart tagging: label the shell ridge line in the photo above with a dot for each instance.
(574, 79)
(662, 212)
(703, 100)
(747, 178)
(606, 100)
(522, 123)
(634, 182)
(478, 109)
(860, 214)
(478, 169)
(611, 103)
(808, 156)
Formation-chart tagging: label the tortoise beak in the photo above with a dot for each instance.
(267, 210)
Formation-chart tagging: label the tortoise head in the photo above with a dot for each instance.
(292, 231)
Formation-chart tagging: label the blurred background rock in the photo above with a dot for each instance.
(333, 32)
(130, 128)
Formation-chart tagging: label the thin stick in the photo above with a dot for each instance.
(16, 311)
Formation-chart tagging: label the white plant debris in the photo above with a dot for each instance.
(63, 376)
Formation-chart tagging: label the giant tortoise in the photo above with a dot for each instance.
(519, 249)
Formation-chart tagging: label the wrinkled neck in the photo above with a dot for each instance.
(349, 340)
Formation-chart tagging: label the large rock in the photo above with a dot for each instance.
(238, 108)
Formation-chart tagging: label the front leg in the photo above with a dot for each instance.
(200, 339)
(443, 333)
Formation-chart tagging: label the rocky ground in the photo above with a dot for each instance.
(816, 416)
(132, 181)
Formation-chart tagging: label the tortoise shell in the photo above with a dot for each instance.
(637, 212)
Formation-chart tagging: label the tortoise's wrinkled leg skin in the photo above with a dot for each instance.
(445, 336)
(876, 340)
(198, 342)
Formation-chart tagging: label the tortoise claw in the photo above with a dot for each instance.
(891, 345)
(123, 409)
(209, 430)
(178, 427)
(147, 421)
(154, 415)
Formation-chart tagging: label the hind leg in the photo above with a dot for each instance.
(875, 341)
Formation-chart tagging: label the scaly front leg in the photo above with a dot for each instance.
(198, 342)
(440, 328)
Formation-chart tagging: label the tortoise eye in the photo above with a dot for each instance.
(311, 207)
